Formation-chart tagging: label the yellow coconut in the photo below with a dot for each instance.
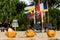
(30, 33)
(51, 33)
(10, 33)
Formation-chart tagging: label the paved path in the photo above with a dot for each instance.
(21, 36)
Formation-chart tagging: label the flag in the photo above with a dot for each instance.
(31, 15)
(30, 7)
(27, 14)
(37, 8)
(43, 7)
(26, 11)
(29, 10)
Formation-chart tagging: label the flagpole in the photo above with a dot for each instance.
(48, 13)
(42, 21)
(34, 15)
(48, 17)
(41, 15)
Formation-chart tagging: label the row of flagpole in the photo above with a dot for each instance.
(41, 10)
(41, 17)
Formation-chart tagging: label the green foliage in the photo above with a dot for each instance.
(11, 9)
(20, 7)
(52, 2)
(21, 28)
(7, 8)
(54, 14)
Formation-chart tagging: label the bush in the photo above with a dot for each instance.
(21, 28)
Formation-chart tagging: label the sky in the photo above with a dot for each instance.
(28, 2)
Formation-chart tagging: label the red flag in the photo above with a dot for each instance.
(30, 15)
(37, 7)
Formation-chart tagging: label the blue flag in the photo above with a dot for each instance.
(45, 5)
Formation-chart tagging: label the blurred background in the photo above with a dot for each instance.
(15, 9)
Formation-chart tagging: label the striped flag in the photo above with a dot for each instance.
(31, 15)
(29, 10)
(30, 7)
(42, 7)
(26, 11)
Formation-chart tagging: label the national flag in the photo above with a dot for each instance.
(37, 8)
(43, 7)
(30, 7)
(26, 11)
(31, 15)
(27, 14)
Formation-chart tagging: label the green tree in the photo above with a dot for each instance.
(7, 9)
(12, 9)
(54, 14)
(51, 3)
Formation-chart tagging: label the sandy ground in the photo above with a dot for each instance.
(21, 36)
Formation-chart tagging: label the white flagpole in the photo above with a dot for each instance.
(41, 10)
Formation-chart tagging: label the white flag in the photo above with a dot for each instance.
(41, 6)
